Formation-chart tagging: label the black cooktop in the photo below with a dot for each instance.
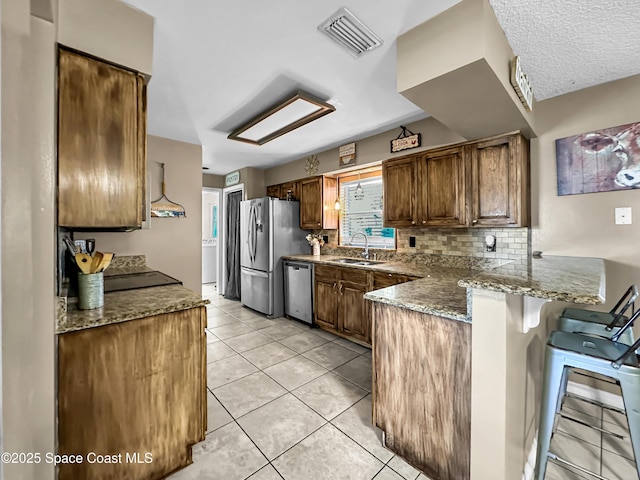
(131, 281)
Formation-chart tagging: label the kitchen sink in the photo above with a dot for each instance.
(355, 261)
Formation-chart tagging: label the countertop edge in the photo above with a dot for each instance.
(431, 310)
(532, 292)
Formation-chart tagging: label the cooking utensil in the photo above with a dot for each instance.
(91, 245)
(71, 246)
(95, 263)
(83, 260)
(105, 262)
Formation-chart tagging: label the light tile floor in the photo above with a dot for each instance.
(289, 402)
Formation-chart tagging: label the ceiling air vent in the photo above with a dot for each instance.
(346, 30)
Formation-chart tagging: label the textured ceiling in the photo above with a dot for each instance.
(567, 45)
(219, 63)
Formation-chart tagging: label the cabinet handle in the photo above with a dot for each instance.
(424, 221)
(341, 289)
(474, 222)
(334, 286)
(318, 223)
(413, 222)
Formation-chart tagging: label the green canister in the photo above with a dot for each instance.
(90, 290)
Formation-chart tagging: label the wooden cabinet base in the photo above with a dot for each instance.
(422, 389)
(135, 391)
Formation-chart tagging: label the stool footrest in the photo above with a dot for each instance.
(552, 456)
(596, 403)
(587, 424)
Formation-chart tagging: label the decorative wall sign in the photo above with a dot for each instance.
(599, 161)
(521, 84)
(232, 178)
(348, 155)
(406, 140)
(311, 166)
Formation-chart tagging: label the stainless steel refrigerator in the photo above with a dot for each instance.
(269, 229)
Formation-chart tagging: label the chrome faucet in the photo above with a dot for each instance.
(365, 253)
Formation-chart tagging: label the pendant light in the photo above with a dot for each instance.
(358, 193)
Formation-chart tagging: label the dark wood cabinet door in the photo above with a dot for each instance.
(273, 191)
(101, 144)
(326, 303)
(443, 188)
(289, 187)
(311, 203)
(499, 176)
(399, 192)
(317, 199)
(353, 317)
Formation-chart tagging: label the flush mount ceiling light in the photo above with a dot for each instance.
(347, 31)
(294, 112)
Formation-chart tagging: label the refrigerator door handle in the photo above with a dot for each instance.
(254, 232)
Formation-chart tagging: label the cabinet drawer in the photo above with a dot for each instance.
(353, 275)
(327, 271)
(383, 280)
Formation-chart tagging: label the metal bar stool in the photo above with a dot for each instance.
(600, 323)
(603, 356)
(603, 324)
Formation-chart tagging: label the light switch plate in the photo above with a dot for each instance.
(623, 216)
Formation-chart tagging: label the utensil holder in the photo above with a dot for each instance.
(316, 249)
(90, 291)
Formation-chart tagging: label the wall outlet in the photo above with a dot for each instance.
(623, 216)
(412, 241)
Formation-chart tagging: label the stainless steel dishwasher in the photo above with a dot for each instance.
(298, 290)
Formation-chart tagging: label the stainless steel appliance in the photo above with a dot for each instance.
(298, 290)
(269, 229)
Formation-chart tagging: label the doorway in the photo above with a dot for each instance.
(225, 252)
(210, 235)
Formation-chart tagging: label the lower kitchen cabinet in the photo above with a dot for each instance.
(340, 306)
(421, 389)
(135, 389)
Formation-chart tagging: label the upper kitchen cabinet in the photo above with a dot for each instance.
(500, 182)
(273, 191)
(399, 180)
(318, 196)
(425, 190)
(101, 144)
(483, 183)
(443, 188)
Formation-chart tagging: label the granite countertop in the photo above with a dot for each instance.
(442, 290)
(565, 279)
(436, 292)
(131, 305)
(128, 304)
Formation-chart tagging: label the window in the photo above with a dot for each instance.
(361, 211)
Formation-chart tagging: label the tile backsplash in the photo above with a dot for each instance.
(512, 244)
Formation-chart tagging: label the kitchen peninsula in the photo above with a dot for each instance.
(132, 380)
(447, 348)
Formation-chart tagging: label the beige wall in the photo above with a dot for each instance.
(171, 245)
(253, 180)
(370, 150)
(456, 67)
(583, 225)
(27, 240)
(108, 29)
(212, 181)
